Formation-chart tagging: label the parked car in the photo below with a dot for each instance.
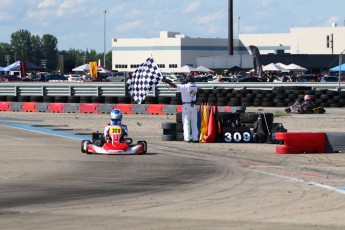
(118, 77)
(74, 78)
(55, 78)
(249, 79)
(201, 78)
(9, 78)
(329, 79)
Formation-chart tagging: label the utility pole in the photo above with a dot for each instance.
(230, 29)
(105, 13)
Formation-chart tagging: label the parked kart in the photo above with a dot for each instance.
(317, 110)
(116, 144)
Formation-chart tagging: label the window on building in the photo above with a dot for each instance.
(134, 66)
(172, 66)
(120, 66)
(161, 65)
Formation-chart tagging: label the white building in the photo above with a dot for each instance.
(172, 49)
(301, 40)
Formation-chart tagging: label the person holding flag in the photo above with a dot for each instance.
(189, 108)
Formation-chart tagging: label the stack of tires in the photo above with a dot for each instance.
(169, 131)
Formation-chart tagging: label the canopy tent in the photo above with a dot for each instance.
(102, 69)
(236, 69)
(204, 69)
(295, 67)
(281, 65)
(12, 66)
(16, 66)
(82, 68)
(337, 68)
(272, 67)
(28, 66)
(184, 69)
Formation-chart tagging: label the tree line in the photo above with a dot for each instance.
(43, 51)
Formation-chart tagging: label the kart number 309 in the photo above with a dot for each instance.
(115, 130)
(237, 137)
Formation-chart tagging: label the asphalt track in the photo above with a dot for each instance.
(47, 183)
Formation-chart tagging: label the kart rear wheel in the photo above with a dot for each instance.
(86, 149)
(82, 146)
(144, 144)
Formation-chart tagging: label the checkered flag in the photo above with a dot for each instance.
(143, 79)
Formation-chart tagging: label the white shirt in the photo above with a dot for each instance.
(188, 92)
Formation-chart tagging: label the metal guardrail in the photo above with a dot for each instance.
(118, 88)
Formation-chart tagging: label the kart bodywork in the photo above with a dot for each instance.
(116, 144)
(298, 110)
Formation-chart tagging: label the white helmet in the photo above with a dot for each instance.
(115, 116)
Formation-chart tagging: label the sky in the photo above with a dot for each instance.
(80, 24)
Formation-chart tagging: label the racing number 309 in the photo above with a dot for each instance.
(237, 137)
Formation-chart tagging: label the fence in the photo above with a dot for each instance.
(119, 89)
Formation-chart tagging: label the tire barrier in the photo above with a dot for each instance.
(169, 131)
(335, 142)
(281, 96)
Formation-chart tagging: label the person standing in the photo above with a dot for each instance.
(189, 108)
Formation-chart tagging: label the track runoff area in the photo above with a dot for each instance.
(237, 175)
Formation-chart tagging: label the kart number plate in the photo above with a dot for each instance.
(115, 130)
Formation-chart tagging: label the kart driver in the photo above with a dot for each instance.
(115, 119)
(307, 104)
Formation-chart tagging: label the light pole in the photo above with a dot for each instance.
(105, 13)
(340, 61)
(238, 26)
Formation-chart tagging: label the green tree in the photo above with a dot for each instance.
(36, 42)
(5, 49)
(50, 51)
(21, 44)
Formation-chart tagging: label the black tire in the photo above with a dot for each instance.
(144, 144)
(60, 99)
(23, 98)
(168, 137)
(251, 117)
(85, 99)
(82, 146)
(179, 117)
(48, 98)
(98, 99)
(169, 125)
(110, 100)
(36, 98)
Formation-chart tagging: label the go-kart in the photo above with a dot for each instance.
(298, 110)
(116, 143)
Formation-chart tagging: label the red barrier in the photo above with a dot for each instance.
(5, 106)
(179, 109)
(29, 107)
(156, 109)
(56, 107)
(295, 142)
(125, 108)
(89, 108)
